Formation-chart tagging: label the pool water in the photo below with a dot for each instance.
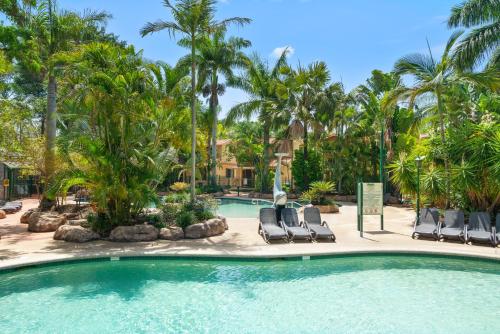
(245, 208)
(352, 294)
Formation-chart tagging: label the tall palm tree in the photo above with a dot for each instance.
(192, 19)
(483, 16)
(431, 77)
(53, 32)
(307, 90)
(218, 57)
(267, 93)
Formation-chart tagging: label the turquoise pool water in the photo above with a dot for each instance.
(356, 294)
(245, 208)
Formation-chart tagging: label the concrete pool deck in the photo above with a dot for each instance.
(18, 247)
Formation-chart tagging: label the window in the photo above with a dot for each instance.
(229, 173)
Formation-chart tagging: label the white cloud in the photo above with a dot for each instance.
(277, 52)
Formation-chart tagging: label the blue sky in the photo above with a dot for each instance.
(352, 36)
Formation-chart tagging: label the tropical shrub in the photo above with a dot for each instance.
(113, 138)
(184, 219)
(311, 168)
(176, 198)
(317, 191)
(170, 211)
(179, 187)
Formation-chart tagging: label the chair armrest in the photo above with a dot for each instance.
(283, 226)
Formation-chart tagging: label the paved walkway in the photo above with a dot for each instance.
(19, 247)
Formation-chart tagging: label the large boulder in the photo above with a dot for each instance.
(78, 222)
(75, 234)
(171, 233)
(2, 214)
(26, 216)
(206, 229)
(134, 233)
(224, 221)
(45, 222)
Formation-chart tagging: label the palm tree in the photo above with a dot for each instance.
(192, 19)
(307, 90)
(218, 56)
(53, 32)
(267, 93)
(378, 100)
(481, 41)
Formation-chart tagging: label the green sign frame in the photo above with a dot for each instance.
(370, 198)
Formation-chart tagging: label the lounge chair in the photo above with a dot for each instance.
(479, 228)
(269, 227)
(428, 226)
(293, 227)
(454, 226)
(319, 228)
(12, 207)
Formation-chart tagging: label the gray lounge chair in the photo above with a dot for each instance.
(479, 228)
(454, 226)
(319, 228)
(293, 227)
(12, 207)
(428, 226)
(269, 227)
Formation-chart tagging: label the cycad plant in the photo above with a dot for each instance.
(192, 19)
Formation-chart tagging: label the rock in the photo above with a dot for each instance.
(224, 221)
(206, 229)
(75, 234)
(71, 215)
(219, 194)
(134, 233)
(77, 222)
(392, 200)
(171, 233)
(25, 217)
(328, 208)
(45, 222)
(2, 214)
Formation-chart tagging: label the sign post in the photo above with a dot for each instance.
(370, 203)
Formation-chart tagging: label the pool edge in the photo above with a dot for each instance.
(243, 257)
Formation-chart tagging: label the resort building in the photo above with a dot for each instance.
(230, 173)
(16, 181)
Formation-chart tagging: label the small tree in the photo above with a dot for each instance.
(306, 171)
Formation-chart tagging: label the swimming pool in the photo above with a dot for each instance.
(350, 294)
(245, 208)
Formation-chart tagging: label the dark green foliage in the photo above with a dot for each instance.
(170, 212)
(184, 219)
(311, 167)
(99, 224)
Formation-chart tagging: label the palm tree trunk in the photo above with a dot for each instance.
(265, 170)
(213, 106)
(193, 119)
(306, 156)
(50, 137)
(443, 142)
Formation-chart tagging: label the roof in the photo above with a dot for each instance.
(223, 141)
(12, 164)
